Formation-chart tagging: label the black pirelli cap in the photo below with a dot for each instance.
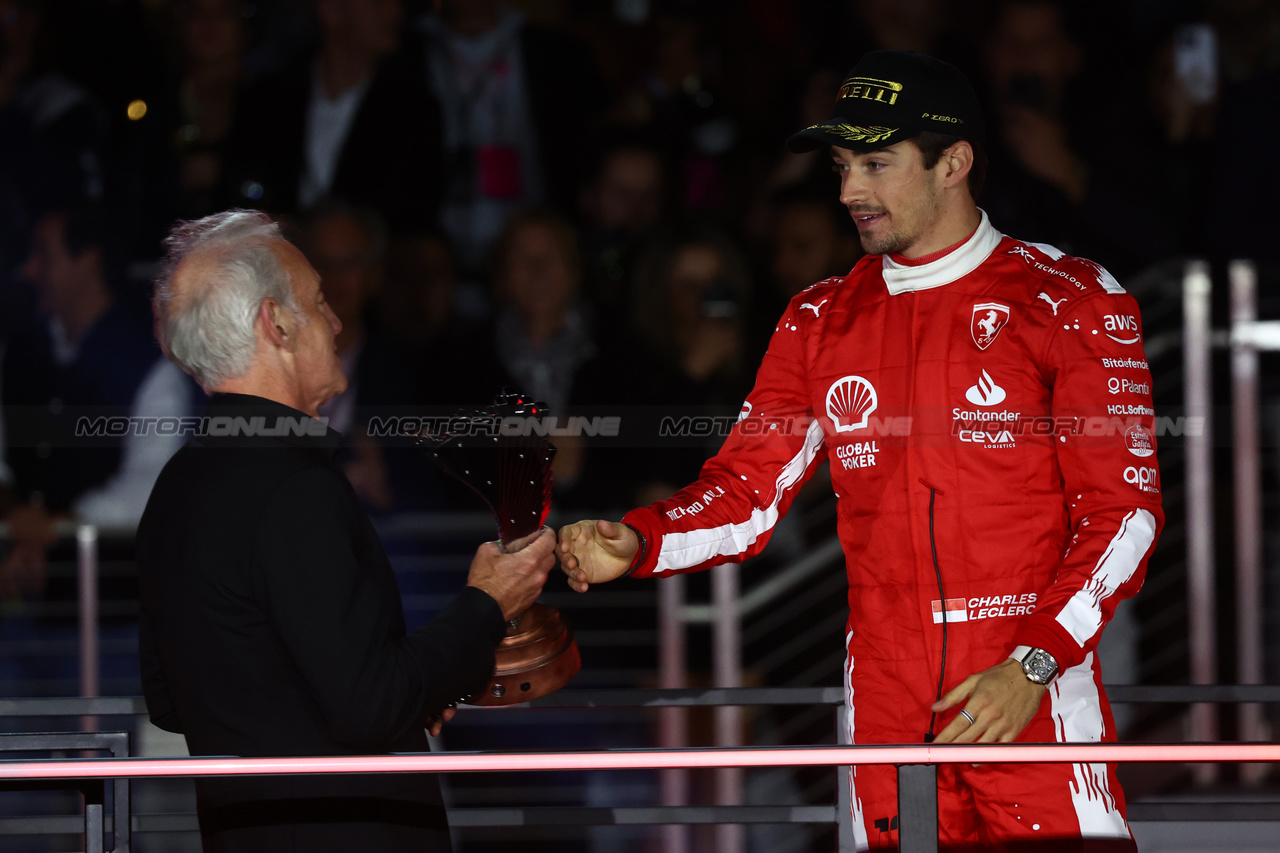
(892, 95)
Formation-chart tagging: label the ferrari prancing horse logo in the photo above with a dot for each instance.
(987, 321)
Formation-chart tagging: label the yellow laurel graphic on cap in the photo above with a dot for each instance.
(854, 133)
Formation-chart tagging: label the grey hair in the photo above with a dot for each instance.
(208, 329)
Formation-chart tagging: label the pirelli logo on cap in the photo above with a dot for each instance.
(870, 89)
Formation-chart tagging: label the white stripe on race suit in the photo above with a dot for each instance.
(682, 550)
(1077, 717)
(1082, 615)
(1108, 281)
(1105, 279)
(860, 839)
(1052, 251)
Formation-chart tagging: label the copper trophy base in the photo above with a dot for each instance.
(537, 656)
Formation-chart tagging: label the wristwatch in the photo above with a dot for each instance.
(1037, 665)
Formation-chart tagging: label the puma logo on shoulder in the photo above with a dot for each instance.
(814, 307)
(1052, 304)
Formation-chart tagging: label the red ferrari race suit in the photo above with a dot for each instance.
(988, 421)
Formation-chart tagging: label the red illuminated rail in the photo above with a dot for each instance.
(814, 756)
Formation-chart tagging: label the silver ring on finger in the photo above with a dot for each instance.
(967, 716)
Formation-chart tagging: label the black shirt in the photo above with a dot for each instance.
(272, 625)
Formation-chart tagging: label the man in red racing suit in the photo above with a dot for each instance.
(986, 413)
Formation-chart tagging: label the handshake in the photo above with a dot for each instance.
(593, 551)
(589, 552)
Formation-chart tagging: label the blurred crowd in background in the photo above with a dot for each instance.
(588, 200)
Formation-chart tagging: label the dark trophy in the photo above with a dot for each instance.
(511, 472)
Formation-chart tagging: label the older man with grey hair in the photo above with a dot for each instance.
(271, 620)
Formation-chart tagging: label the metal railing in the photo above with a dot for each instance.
(1246, 337)
(917, 772)
(93, 790)
(730, 606)
(1201, 569)
(918, 786)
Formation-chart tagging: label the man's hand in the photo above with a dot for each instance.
(514, 579)
(435, 723)
(1001, 700)
(596, 551)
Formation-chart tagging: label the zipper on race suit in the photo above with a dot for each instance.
(942, 596)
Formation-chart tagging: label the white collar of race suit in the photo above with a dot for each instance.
(964, 259)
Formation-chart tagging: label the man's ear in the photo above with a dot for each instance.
(956, 162)
(276, 323)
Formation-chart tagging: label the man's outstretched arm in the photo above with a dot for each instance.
(729, 513)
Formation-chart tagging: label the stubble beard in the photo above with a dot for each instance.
(890, 244)
(929, 210)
